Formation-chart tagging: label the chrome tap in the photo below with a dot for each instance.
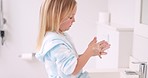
(142, 73)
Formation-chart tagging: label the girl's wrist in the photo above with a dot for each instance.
(89, 52)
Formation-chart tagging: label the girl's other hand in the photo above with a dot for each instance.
(100, 48)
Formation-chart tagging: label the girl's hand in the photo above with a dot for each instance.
(91, 46)
(100, 48)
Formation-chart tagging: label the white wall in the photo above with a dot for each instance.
(22, 27)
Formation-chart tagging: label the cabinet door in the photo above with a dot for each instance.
(109, 61)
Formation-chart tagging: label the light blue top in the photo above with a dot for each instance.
(59, 56)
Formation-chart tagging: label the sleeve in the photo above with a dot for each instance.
(66, 59)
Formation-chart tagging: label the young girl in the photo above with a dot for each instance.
(54, 47)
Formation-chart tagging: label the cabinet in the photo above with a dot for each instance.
(120, 39)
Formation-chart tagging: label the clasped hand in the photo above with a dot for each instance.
(98, 48)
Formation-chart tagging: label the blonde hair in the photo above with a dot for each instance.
(52, 13)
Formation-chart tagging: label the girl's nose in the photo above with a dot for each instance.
(73, 20)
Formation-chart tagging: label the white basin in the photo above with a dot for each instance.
(104, 74)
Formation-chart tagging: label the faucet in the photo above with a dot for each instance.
(142, 70)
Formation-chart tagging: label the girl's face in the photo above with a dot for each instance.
(66, 24)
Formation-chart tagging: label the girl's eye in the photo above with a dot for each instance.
(70, 17)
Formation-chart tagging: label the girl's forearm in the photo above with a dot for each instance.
(81, 61)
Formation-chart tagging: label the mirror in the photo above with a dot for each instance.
(144, 12)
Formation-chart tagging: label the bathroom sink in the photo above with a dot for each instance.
(104, 75)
